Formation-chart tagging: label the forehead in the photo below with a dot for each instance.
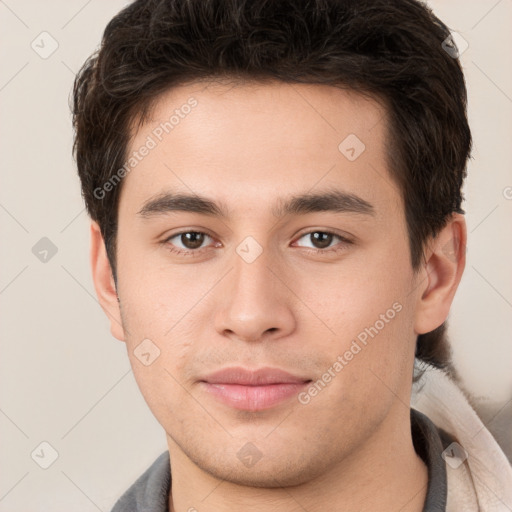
(245, 142)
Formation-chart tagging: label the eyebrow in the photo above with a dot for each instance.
(331, 200)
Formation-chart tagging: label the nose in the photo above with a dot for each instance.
(256, 302)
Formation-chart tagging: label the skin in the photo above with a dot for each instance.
(248, 147)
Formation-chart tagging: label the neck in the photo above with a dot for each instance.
(384, 474)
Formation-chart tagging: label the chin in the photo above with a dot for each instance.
(273, 474)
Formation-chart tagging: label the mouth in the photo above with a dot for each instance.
(253, 390)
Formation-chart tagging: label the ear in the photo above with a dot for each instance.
(104, 282)
(441, 274)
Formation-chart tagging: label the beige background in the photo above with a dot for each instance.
(63, 379)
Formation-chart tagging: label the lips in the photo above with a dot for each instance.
(252, 390)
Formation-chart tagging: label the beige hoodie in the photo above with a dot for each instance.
(479, 475)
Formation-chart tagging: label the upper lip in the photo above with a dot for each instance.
(257, 377)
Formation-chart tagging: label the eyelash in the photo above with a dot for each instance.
(195, 252)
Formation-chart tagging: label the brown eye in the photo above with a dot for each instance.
(319, 239)
(186, 241)
(192, 239)
(322, 241)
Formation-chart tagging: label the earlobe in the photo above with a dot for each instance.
(104, 282)
(443, 271)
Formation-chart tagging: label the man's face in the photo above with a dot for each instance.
(325, 294)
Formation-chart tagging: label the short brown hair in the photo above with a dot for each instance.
(393, 50)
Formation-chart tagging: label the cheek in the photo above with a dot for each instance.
(368, 309)
(154, 296)
(355, 296)
(158, 366)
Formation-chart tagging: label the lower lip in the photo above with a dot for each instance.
(253, 398)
